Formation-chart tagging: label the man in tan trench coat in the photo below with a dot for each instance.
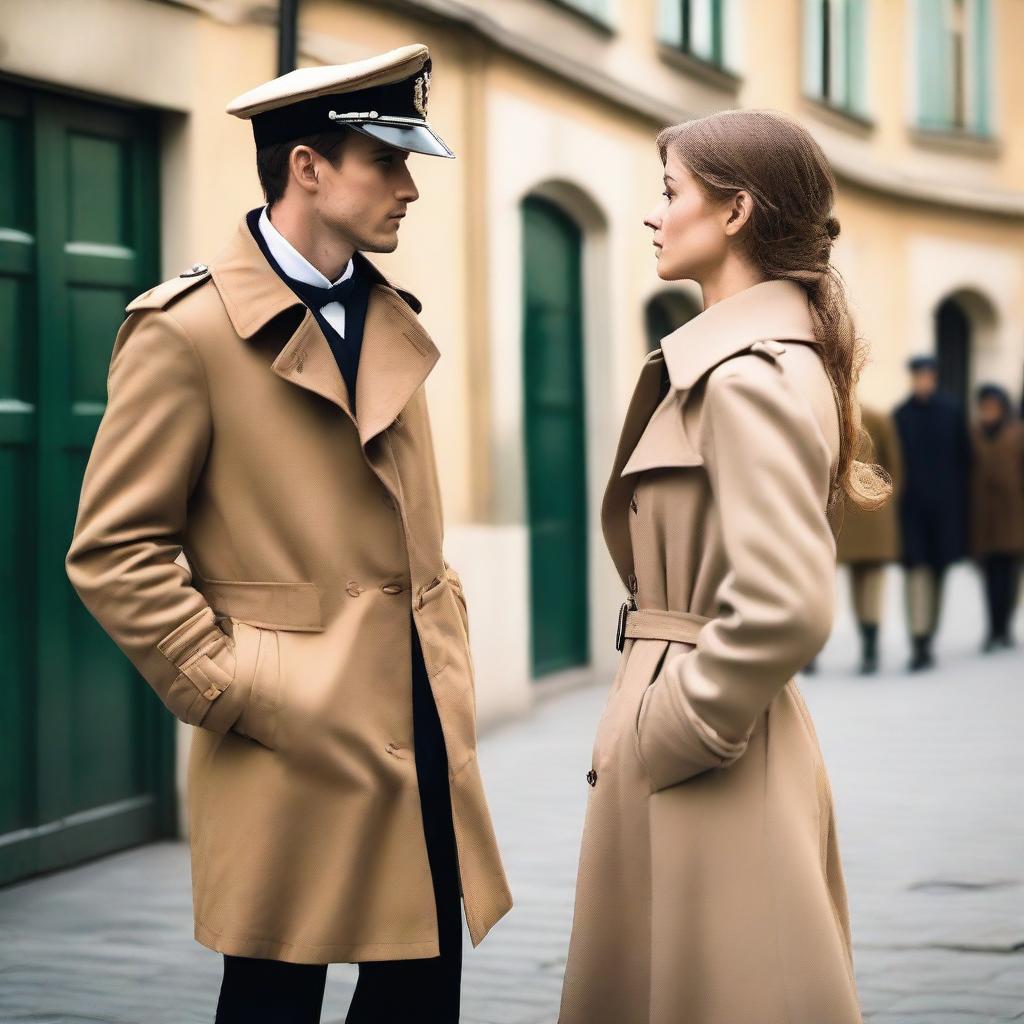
(272, 426)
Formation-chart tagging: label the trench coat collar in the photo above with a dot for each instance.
(774, 310)
(397, 353)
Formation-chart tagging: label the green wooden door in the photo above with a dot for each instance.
(86, 750)
(555, 437)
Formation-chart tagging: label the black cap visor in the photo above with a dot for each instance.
(413, 138)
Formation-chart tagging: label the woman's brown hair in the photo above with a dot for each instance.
(789, 236)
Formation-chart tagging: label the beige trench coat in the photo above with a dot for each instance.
(875, 536)
(313, 542)
(997, 491)
(710, 889)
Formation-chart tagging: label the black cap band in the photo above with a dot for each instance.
(310, 117)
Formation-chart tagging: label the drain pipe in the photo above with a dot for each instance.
(287, 35)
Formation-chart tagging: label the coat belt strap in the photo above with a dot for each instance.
(657, 624)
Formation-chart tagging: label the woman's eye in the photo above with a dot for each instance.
(667, 195)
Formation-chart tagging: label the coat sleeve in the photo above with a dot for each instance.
(147, 456)
(769, 468)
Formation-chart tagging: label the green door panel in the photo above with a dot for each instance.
(555, 438)
(86, 750)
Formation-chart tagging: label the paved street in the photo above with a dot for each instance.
(928, 774)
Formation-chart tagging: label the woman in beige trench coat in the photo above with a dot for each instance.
(710, 889)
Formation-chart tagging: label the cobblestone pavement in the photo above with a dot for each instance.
(928, 774)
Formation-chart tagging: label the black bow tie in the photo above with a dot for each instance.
(316, 297)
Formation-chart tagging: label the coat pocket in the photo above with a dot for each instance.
(259, 671)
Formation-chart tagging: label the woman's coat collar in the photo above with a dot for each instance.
(774, 310)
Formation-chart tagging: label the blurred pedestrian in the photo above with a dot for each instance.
(870, 539)
(933, 504)
(997, 508)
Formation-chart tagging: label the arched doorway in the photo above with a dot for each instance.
(665, 312)
(555, 437)
(953, 349)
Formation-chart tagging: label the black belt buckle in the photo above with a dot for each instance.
(620, 632)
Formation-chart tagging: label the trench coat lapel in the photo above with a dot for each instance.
(617, 494)
(653, 434)
(396, 357)
(253, 295)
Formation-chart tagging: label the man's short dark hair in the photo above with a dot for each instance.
(272, 161)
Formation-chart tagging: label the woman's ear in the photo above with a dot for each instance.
(738, 211)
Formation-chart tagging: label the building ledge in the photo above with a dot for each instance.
(985, 147)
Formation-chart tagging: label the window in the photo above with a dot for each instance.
(596, 9)
(696, 27)
(665, 312)
(954, 65)
(835, 65)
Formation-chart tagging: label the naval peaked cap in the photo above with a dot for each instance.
(384, 97)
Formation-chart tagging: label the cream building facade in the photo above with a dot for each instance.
(552, 107)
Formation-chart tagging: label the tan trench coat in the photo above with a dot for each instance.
(997, 491)
(875, 536)
(313, 542)
(710, 889)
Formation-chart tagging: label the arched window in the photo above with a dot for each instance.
(953, 349)
(665, 312)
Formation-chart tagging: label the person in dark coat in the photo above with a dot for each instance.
(869, 540)
(933, 505)
(997, 508)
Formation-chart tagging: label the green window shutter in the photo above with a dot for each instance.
(706, 30)
(856, 56)
(934, 66)
(980, 28)
(670, 22)
(732, 36)
(813, 43)
(838, 82)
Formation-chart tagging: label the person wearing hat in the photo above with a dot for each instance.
(933, 502)
(267, 418)
(997, 508)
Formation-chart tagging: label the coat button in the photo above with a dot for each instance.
(391, 588)
(353, 588)
(592, 777)
(633, 585)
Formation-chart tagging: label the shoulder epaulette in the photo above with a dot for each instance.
(161, 296)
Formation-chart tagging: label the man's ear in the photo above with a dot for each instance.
(302, 163)
(738, 210)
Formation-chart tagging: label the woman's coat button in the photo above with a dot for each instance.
(391, 588)
(353, 588)
(592, 777)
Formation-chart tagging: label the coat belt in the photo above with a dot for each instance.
(657, 624)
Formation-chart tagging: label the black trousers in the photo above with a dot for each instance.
(1001, 574)
(427, 991)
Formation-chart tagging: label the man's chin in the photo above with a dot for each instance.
(387, 243)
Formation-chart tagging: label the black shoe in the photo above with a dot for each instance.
(922, 656)
(868, 648)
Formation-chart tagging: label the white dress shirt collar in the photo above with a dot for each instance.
(291, 261)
